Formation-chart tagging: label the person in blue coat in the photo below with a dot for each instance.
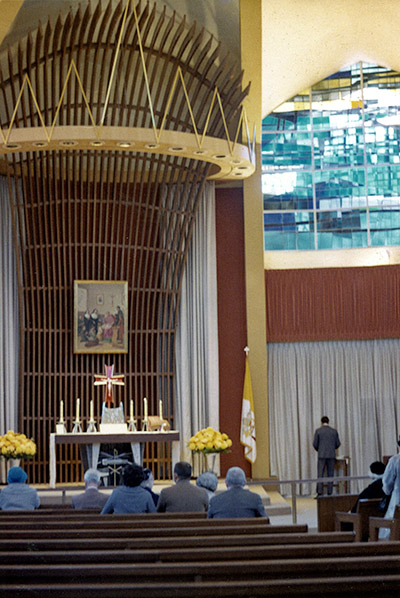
(391, 487)
(236, 501)
(131, 497)
(17, 495)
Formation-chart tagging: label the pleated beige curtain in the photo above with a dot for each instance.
(197, 378)
(355, 383)
(9, 346)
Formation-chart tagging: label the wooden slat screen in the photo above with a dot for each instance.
(333, 304)
(105, 215)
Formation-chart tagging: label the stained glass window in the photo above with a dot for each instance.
(331, 163)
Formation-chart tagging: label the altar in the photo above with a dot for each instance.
(93, 440)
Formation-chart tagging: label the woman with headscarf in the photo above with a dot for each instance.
(17, 495)
(209, 481)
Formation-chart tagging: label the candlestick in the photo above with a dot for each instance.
(132, 422)
(160, 409)
(145, 409)
(91, 411)
(77, 424)
(61, 412)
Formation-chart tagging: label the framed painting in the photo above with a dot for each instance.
(100, 316)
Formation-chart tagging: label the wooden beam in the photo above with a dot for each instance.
(9, 10)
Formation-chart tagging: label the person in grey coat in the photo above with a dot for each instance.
(236, 501)
(183, 497)
(91, 498)
(326, 441)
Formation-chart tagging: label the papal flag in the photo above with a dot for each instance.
(248, 427)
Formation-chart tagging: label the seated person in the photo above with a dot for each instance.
(147, 484)
(183, 497)
(209, 481)
(236, 501)
(18, 496)
(131, 497)
(91, 498)
(374, 490)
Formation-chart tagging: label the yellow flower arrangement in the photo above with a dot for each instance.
(16, 446)
(209, 440)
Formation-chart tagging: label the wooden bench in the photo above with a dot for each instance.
(148, 528)
(202, 553)
(41, 514)
(201, 571)
(359, 521)
(59, 541)
(351, 586)
(375, 524)
(327, 507)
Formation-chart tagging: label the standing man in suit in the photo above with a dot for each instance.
(236, 501)
(91, 498)
(183, 496)
(326, 441)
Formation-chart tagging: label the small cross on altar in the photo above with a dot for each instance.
(108, 381)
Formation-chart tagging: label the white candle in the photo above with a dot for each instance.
(131, 411)
(77, 409)
(145, 408)
(91, 411)
(160, 409)
(61, 411)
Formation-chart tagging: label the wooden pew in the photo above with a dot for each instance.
(203, 553)
(148, 528)
(359, 521)
(327, 507)
(133, 519)
(92, 513)
(201, 571)
(350, 586)
(59, 541)
(376, 523)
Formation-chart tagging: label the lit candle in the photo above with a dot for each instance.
(131, 411)
(61, 411)
(145, 408)
(160, 409)
(77, 409)
(91, 411)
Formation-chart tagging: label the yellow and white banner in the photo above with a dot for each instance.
(248, 426)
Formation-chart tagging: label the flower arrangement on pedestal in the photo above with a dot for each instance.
(16, 446)
(209, 441)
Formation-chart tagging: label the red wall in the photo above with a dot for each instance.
(231, 319)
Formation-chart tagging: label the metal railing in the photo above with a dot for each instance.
(294, 483)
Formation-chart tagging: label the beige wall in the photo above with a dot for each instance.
(305, 41)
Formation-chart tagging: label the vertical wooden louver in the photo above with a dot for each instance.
(105, 214)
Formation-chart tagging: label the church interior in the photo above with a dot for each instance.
(135, 159)
(199, 260)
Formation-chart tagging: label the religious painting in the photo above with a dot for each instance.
(100, 316)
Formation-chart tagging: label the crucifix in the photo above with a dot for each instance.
(109, 380)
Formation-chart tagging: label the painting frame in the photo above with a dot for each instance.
(100, 326)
